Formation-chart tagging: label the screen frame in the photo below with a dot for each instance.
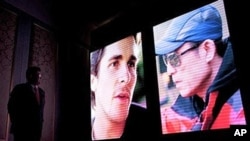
(131, 23)
(230, 20)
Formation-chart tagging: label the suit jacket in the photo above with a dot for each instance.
(26, 114)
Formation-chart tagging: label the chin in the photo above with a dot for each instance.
(184, 94)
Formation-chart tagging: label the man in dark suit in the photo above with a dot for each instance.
(26, 106)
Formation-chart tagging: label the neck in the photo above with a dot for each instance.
(210, 79)
(106, 129)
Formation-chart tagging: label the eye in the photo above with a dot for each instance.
(174, 61)
(131, 64)
(114, 64)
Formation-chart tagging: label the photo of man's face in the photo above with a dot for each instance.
(115, 80)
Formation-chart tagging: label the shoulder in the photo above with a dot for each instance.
(136, 108)
(21, 86)
(137, 123)
(138, 115)
(41, 90)
(235, 101)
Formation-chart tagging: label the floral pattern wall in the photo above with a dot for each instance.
(8, 22)
(43, 53)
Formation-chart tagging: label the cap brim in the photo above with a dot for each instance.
(165, 47)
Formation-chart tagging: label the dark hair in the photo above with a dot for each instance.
(32, 70)
(95, 59)
(97, 55)
(221, 46)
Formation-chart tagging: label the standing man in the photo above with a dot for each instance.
(202, 67)
(26, 106)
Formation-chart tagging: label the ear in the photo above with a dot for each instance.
(210, 49)
(93, 82)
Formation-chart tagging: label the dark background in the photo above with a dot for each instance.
(83, 26)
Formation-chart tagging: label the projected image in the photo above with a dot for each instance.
(197, 79)
(118, 106)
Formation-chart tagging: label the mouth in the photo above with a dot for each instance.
(177, 83)
(175, 80)
(122, 95)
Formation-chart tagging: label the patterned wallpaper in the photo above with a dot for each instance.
(43, 53)
(8, 22)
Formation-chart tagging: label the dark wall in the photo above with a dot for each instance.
(74, 34)
(39, 9)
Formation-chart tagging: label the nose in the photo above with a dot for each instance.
(125, 75)
(171, 70)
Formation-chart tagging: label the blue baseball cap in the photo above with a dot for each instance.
(195, 26)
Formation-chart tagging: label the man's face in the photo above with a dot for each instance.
(116, 78)
(191, 75)
(36, 77)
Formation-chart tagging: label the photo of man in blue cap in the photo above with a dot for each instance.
(201, 65)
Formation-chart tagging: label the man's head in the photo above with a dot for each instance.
(195, 26)
(189, 49)
(33, 75)
(113, 77)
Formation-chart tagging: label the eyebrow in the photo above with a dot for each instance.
(117, 57)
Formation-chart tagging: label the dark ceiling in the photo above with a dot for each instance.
(136, 13)
(76, 19)
(80, 17)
